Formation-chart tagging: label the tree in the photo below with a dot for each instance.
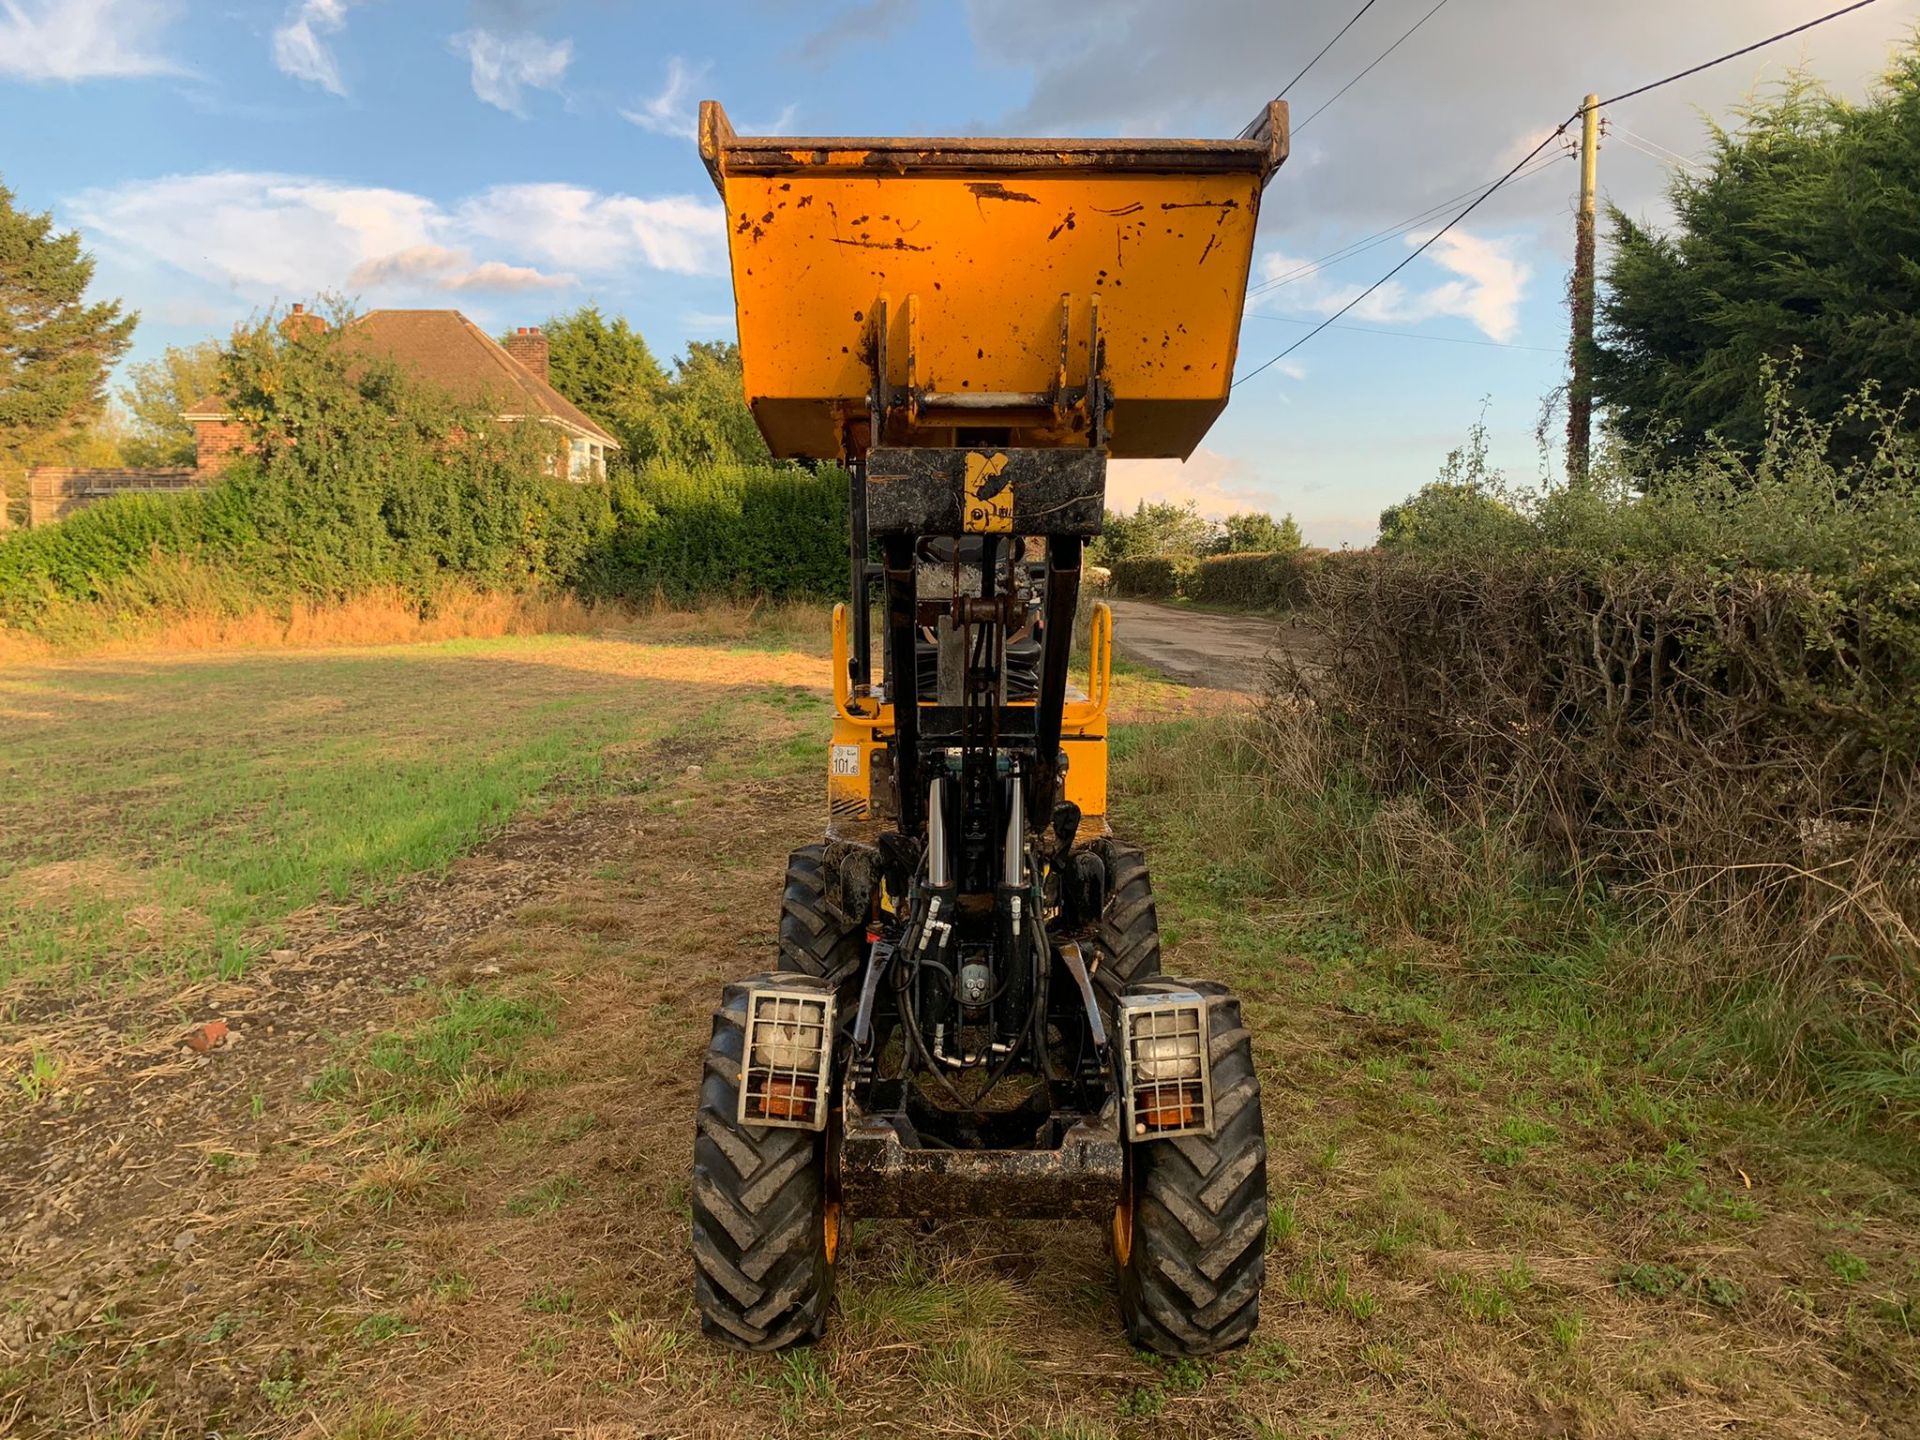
(1255, 530)
(705, 414)
(605, 367)
(106, 444)
(1467, 505)
(697, 416)
(1440, 513)
(55, 348)
(1156, 527)
(1796, 247)
(159, 392)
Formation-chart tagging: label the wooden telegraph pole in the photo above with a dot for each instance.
(1580, 386)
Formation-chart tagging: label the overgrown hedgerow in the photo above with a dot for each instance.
(1149, 577)
(1697, 693)
(364, 482)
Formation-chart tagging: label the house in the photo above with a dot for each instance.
(447, 351)
(442, 348)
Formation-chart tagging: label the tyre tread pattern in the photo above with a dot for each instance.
(1192, 1283)
(815, 938)
(1129, 925)
(762, 1280)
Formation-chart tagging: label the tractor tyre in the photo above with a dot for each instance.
(765, 1220)
(815, 938)
(1129, 935)
(1190, 1235)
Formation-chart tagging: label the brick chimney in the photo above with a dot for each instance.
(529, 347)
(300, 321)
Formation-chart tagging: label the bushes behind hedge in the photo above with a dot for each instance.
(322, 524)
(367, 480)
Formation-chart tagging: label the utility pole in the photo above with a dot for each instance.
(1580, 386)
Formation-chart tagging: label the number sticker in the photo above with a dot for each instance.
(845, 760)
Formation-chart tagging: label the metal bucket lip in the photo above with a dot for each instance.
(1260, 151)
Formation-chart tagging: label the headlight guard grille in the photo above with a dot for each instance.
(787, 1062)
(1164, 1071)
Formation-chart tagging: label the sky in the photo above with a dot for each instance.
(516, 158)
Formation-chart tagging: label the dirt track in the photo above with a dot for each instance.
(1227, 652)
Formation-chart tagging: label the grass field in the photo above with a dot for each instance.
(466, 907)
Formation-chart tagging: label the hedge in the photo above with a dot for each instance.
(1148, 577)
(1734, 750)
(683, 532)
(1252, 580)
(323, 522)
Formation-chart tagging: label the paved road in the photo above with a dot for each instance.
(1227, 652)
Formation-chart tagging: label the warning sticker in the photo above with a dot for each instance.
(845, 760)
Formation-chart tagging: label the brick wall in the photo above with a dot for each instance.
(57, 491)
(216, 442)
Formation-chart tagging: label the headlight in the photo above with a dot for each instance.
(1163, 1052)
(789, 1048)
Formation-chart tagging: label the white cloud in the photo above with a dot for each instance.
(505, 65)
(1219, 485)
(83, 39)
(1410, 133)
(497, 275)
(298, 49)
(675, 111)
(581, 229)
(1488, 294)
(266, 236)
(440, 267)
(1492, 283)
(672, 112)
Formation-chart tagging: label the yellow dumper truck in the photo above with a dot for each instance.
(968, 1015)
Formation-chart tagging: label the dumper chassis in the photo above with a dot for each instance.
(967, 1016)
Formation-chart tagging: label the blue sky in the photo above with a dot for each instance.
(513, 158)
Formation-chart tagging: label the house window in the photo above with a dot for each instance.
(579, 460)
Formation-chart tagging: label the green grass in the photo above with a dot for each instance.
(377, 1329)
(547, 1196)
(162, 817)
(474, 1033)
(550, 1300)
(1454, 942)
(1847, 1266)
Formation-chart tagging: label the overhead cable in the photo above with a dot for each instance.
(1521, 163)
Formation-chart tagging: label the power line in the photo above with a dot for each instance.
(1392, 232)
(1324, 48)
(1380, 237)
(1736, 54)
(1655, 150)
(1376, 60)
(1520, 164)
(1412, 256)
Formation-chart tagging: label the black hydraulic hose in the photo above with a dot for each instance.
(1043, 949)
(1034, 1013)
(918, 1046)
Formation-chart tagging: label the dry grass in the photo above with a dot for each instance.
(392, 616)
(461, 1205)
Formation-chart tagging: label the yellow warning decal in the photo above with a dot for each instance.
(988, 508)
